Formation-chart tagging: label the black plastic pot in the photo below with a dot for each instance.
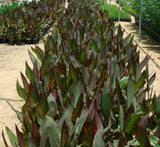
(34, 40)
(27, 40)
(11, 41)
(0, 39)
(18, 41)
(5, 40)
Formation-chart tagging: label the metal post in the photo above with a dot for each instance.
(110, 2)
(119, 16)
(140, 20)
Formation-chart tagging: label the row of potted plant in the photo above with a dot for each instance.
(9, 6)
(87, 87)
(26, 23)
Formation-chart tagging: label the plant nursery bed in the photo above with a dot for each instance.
(122, 19)
(148, 30)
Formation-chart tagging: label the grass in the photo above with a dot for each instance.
(113, 12)
(130, 9)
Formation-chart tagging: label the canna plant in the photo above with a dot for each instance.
(87, 87)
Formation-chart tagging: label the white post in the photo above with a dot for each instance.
(140, 20)
(119, 16)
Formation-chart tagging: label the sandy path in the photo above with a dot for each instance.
(12, 61)
(147, 46)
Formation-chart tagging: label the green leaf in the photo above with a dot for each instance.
(51, 101)
(55, 35)
(74, 47)
(21, 91)
(73, 73)
(29, 72)
(94, 46)
(13, 139)
(77, 92)
(49, 129)
(121, 117)
(130, 92)
(140, 83)
(155, 105)
(25, 83)
(106, 99)
(83, 55)
(42, 106)
(132, 123)
(154, 141)
(34, 59)
(38, 52)
(98, 139)
(123, 82)
(64, 135)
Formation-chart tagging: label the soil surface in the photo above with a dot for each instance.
(13, 58)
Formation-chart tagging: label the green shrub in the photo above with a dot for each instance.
(9, 7)
(113, 12)
(87, 87)
(28, 22)
(150, 12)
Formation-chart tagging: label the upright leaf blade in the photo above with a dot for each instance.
(130, 92)
(21, 91)
(106, 99)
(77, 92)
(13, 139)
(98, 139)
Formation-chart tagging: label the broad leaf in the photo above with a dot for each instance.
(98, 139)
(13, 139)
(130, 92)
(121, 117)
(28, 72)
(21, 140)
(49, 130)
(155, 105)
(64, 135)
(21, 91)
(106, 99)
(77, 92)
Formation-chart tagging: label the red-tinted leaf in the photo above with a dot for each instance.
(87, 134)
(77, 111)
(93, 80)
(141, 132)
(21, 140)
(25, 84)
(106, 99)
(98, 122)
(64, 135)
(5, 142)
(36, 133)
(85, 75)
(42, 106)
(27, 123)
